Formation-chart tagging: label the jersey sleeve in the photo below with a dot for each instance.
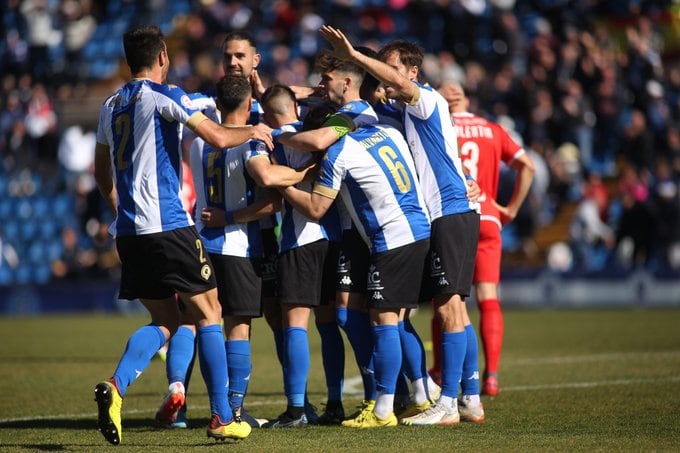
(256, 148)
(331, 172)
(103, 134)
(510, 149)
(424, 102)
(175, 105)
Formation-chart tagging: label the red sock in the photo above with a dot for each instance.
(491, 328)
(436, 345)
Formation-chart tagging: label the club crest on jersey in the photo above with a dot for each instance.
(187, 102)
(206, 272)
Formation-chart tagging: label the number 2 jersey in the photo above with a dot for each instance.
(483, 146)
(141, 124)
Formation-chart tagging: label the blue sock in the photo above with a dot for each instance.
(139, 350)
(296, 366)
(180, 355)
(470, 380)
(386, 357)
(333, 357)
(213, 363)
(278, 343)
(360, 337)
(453, 354)
(341, 316)
(239, 366)
(413, 351)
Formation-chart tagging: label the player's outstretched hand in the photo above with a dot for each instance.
(256, 84)
(473, 190)
(263, 133)
(213, 217)
(342, 48)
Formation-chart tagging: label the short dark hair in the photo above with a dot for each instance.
(410, 54)
(275, 91)
(232, 91)
(327, 62)
(142, 45)
(239, 35)
(317, 115)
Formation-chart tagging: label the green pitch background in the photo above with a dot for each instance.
(572, 380)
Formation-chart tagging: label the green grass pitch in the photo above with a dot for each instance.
(572, 380)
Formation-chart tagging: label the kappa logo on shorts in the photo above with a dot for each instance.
(346, 280)
(206, 272)
(377, 295)
(442, 282)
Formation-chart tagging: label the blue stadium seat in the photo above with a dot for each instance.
(37, 252)
(42, 274)
(6, 276)
(24, 274)
(29, 230)
(11, 231)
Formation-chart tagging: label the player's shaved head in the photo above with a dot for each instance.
(278, 100)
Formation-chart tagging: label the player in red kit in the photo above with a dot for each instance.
(483, 146)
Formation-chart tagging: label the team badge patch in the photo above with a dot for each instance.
(187, 102)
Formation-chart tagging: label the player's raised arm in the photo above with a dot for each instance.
(388, 75)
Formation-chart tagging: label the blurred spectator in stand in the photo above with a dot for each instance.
(666, 210)
(590, 237)
(76, 154)
(635, 226)
(8, 255)
(41, 35)
(76, 261)
(41, 125)
(79, 25)
(637, 146)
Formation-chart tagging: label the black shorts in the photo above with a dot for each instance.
(158, 265)
(329, 273)
(239, 285)
(271, 254)
(394, 277)
(300, 274)
(451, 262)
(352, 268)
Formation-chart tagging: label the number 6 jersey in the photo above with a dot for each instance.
(373, 170)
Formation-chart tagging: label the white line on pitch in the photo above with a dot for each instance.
(520, 388)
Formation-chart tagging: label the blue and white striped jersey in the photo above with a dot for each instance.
(297, 229)
(358, 113)
(221, 180)
(375, 174)
(389, 113)
(432, 139)
(141, 125)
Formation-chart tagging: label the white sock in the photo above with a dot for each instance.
(431, 385)
(448, 403)
(419, 393)
(471, 399)
(384, 405)
(176, 387)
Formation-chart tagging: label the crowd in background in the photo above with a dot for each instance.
(591, 89)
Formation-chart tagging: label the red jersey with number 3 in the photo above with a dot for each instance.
(483, 146)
